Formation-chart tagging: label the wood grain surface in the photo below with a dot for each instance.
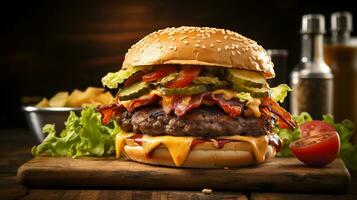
(15, 146)
(279, 174)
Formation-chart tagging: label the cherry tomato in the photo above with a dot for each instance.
(317, 150)
(185, 77)
(134, 78)
(160, 71)
(315, 127)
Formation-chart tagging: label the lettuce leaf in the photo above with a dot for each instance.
(113, 79)
(82, 136)
(279, 92)
(288, 136)
(345, 129)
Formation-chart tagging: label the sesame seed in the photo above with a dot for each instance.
(218, 41)
(186, 42)
(225, 37)
(197, 45)
(198, 41)
(232, 53)
(203, 46)
(211, 45)
(227, 47)
(175, 48)
(171, 48)
(219, 49)
(183, 37)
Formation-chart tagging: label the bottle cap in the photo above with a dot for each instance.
(341, 21)
(313, 23)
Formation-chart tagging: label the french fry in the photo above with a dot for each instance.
(104, 98)
(43, 103)
(59, 100)
(74, 99)
(78, 98)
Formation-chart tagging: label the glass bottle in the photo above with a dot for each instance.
(312, 79)
(340, 52)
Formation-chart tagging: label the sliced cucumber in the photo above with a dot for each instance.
(136, 90)
(189, 90)
(255, 92)
(245, 77)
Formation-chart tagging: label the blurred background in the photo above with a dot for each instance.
(62, 45)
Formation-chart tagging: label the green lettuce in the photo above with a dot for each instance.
(348, 151)
(279, 92)
(288, 136)
(82, 136)
(113, 79)
(345, 129)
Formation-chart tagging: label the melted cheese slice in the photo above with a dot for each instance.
(120, 142)
(259, 145)
(179, 147)
(254, 106)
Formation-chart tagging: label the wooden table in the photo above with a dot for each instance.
(15, 148)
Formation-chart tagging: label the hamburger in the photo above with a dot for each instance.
(196, 97)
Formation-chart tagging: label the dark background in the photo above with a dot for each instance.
(61, 45)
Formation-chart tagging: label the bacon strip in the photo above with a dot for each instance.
(285, 120)
(109, 111)
(169, 103)
(232, 107)
(142, 101)
(188, 103)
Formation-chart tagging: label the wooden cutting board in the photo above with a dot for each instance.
(279, 174)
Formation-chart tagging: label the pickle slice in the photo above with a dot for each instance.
(189, 90)
(255, 92)
(136, 90)
(245, 77)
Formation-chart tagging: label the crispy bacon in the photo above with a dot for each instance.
(169, 103)
(109, 111)
(134, 78)
(232, 107)
(142, 101)
(285, 119)
(188, 103)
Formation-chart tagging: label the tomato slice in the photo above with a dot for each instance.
(315, 127)
(317, 150)
(185, 77)
(160, 72)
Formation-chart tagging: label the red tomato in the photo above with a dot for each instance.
(133, 79)
(160, 71)
(315, 127)
(185, 77)
(317, 150)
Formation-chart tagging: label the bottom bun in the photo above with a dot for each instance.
(200, 157)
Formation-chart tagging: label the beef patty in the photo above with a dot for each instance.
(200, 122)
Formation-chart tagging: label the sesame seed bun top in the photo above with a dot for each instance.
(200, 46)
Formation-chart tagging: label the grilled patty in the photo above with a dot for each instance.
(200, 122)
